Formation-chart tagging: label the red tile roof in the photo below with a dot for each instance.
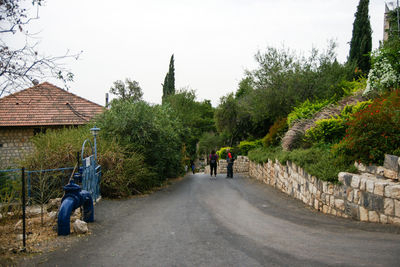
(46, 104)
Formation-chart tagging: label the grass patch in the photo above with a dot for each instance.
(317, 160)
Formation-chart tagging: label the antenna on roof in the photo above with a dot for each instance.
(35, 82)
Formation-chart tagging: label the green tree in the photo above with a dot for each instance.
(361, 40)
(128, 90)
(152, 131)
(169, 80)
(196, 117)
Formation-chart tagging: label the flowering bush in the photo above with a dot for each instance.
(385, 73)
(372, 132)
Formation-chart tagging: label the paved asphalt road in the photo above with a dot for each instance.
(224, 222)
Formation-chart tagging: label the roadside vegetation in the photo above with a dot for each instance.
(142, 145)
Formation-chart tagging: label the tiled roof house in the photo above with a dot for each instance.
(30, 111)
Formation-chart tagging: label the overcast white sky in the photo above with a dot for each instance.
(214, 41)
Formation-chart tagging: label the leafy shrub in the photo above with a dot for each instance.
(332, 130)
(275, 133)
(317, 160)
(348, 88)
(245, 146)
(222, 153)
(372, 132)
(306, 110)
(152, 131)
(125, 173)
(326, 131)
(57, 148)
(352, 109)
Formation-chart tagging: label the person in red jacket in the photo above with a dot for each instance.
(229, 160)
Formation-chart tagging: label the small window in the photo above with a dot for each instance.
(1, 145)
(39, 131)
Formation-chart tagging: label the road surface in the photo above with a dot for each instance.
(224, 222)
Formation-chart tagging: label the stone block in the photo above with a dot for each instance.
(363, 214)
(380, 188)
(350, 194)
(325, 209)
(380, 171)
(373, 216)
(345, 178)
(371, 169)
(355, 181)
(394, 220)
(392, 191)
(339, 204)
(363, 183)
(370, 186)
(388, 206)
(397, 208)
(391, 163)
(390, 174)
(383, 218)
(352, 210)
(372, 202)
(356, 195)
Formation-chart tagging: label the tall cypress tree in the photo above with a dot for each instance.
(361, 40)
(169, 80)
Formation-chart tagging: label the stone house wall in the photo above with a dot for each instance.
(14, 144)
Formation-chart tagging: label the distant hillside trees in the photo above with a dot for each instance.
(361, 40)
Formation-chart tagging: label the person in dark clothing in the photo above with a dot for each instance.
(193, 166)
(229, 160)
(213, 163)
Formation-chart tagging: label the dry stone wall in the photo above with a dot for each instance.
(241, 165)
(369, 197)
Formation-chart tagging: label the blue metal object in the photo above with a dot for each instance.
(91, 172)
(74, 198)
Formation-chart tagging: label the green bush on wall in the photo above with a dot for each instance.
(245, 146)
(307, 109)
(326, 131)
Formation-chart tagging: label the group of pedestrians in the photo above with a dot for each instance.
(213, 157)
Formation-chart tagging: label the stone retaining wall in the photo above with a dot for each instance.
(365, 197)
(241, 165)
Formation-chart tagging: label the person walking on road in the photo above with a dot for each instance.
(193, 166)
(229, 160)
(213, 163)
